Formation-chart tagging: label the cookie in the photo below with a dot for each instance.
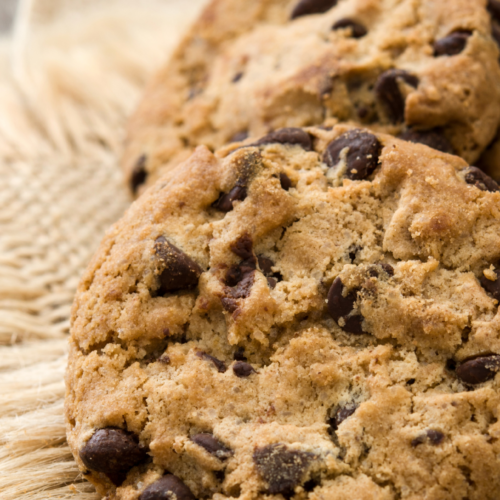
(424, 70)
(311, 315)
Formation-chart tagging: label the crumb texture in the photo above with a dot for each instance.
(312, 315)
(424, 70)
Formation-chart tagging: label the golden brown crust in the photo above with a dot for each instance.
(246, 68)
(378, 414)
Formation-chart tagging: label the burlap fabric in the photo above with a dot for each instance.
(70, 74)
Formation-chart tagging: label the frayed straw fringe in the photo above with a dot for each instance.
(70, 76)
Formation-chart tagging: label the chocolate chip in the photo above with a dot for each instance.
(281, 468)
(478, 370)
(266, 265)
(492, 287)
(220, 365)
(434, 138)
(139, 174)
(387, 268)
(290, 135)
(226, 200)
(452, 44)
(306, 7)
(389, 94)
(494, 9)
(341, 307)
(169, 487)
(285, 181)
(233, 276)
(242, 369)
(177, 270)
(237, 77)
(243, 246)
(229, 304)
(357, 29)
(432, 436)
(479, 179)
(239, 354)
(243, 289)
(340, 414)
(212, 445)
(240, 136)
(272, 282)
(363, 150)
(112, 451)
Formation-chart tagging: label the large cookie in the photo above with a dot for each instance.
(425, 69)
(311, 316)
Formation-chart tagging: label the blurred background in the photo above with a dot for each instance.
(71, 72)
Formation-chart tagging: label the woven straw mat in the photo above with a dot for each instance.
(70, 73)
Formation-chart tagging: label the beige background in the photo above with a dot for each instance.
(61, 130)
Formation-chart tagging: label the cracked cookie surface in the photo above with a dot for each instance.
(312, 315)
(424, 70)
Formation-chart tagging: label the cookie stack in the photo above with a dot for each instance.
(303, 302)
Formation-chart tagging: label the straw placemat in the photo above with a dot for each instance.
(69, 75)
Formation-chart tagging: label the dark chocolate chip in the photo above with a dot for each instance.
(285, 181)
(387, 268)
(306, 7)
(226, 200)
(178, 270)
(342, 307)
(112, 451)
(341, 414)
(266, 265)
(478, 370)
(452, 44)
(479, 179)
(243, 247)
(169, 487)
(434, 138)
(357, 29)
(290, 135)
(139, 174)
(492, 287)
(239, 354)
(233, 276)
(240, 136)
(220, 365)
(229, 304)
(212, 445)
(389, 94)
(243, 289)
(281, 468)
(363, 150)
(430, 435)
(410, 381)
(494, 9)
(237, 77)
(242, 369)
(272, 282)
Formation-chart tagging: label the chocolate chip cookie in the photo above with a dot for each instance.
(310, 315)
(424, 70)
